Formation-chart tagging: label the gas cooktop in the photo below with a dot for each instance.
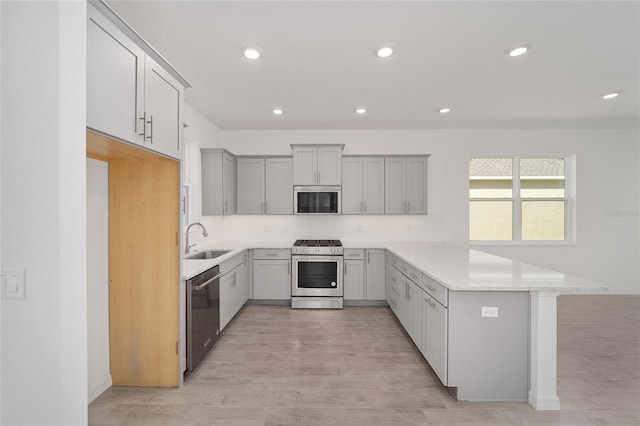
(319, 247)
(317, 243)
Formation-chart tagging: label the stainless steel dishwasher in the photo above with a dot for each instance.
(203, 315)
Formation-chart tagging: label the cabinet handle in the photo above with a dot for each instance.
(433, 305)
(224, 210)
(345, 268)
(144, 126)
(408, 206)
(368, 257)
(150, 122)
(265, 207)
(318, 177)
(431, 288)
(289, 268)
(271, 254)
(365, 206)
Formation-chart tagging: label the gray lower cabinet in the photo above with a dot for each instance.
(264, 186)
(272, 274)
(218, 182)
(434, 337)
(364, 274)
(233, 288)
(354, 279)
(362, 185)
(405, 185)
(375, 276)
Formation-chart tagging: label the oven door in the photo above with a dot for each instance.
(317, 276)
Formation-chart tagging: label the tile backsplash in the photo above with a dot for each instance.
(346, 227)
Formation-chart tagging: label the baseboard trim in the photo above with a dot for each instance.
(100, 388)
(544, 403)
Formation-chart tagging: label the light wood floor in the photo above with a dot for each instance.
(277, 366)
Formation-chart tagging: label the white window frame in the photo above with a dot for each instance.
(516, 232)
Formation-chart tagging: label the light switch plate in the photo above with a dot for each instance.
(489, 312)
(13, 284)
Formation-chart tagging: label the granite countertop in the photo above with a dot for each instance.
(457, 268)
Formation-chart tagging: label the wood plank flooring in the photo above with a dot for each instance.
(277, 366)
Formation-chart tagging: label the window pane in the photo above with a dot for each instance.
(490, 220)
(542, 177)
(490, 177)
(543, 220)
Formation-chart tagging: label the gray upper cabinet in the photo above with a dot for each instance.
(406, 185)
(363, 185)
(317, 164)
(264, 186)
(115, 83)
(218, 182)
(250, 181)
(129, 95)
(279, 185)
(163, 99)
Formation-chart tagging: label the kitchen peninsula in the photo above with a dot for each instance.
(495, 323)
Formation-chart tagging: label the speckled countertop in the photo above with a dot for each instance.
(457, 268)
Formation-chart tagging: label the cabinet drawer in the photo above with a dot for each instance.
(436, 290)
(353, 254)
(412, 273)
(234, 262)
(284, 254)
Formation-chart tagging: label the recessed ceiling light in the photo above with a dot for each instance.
(361, 110)
(277, 111)
(385, 51)
(444, 110)
(612, 95)
(251, 53)
(518, 50)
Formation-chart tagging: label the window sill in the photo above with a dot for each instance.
(521, 243)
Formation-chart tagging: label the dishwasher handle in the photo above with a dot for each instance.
(206, 283)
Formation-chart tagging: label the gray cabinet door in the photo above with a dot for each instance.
(212, 187)
(226, 286)
(115, 80)
(239, 290)
(228, 184)
(279, 186)
(305, 165)
(250, 185)
(416, 185)
(353, 280)
(163, 99)
(372, 186)
(394, 185)
(352, 199)
(329, 165)
(415, 294)
(375, 288)
(434, 331)
(271, 279)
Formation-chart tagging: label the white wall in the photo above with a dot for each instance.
(44, 342)
(99, 377)
(607, 248)
(199, 129)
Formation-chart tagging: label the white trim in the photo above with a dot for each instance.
(98, 390)
(544, 351)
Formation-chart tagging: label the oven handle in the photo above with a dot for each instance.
(206, 283)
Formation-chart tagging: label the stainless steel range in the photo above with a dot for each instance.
(316, 281)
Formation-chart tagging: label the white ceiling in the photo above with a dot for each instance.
(318, 62)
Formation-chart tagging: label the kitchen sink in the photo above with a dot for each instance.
(208, 254)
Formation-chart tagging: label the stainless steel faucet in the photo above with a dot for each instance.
(187, 247)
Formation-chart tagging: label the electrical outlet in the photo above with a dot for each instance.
(13, 284)
(489, 312)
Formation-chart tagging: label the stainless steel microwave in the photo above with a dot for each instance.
(317, 199)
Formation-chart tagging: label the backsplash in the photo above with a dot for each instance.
(346, 227)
